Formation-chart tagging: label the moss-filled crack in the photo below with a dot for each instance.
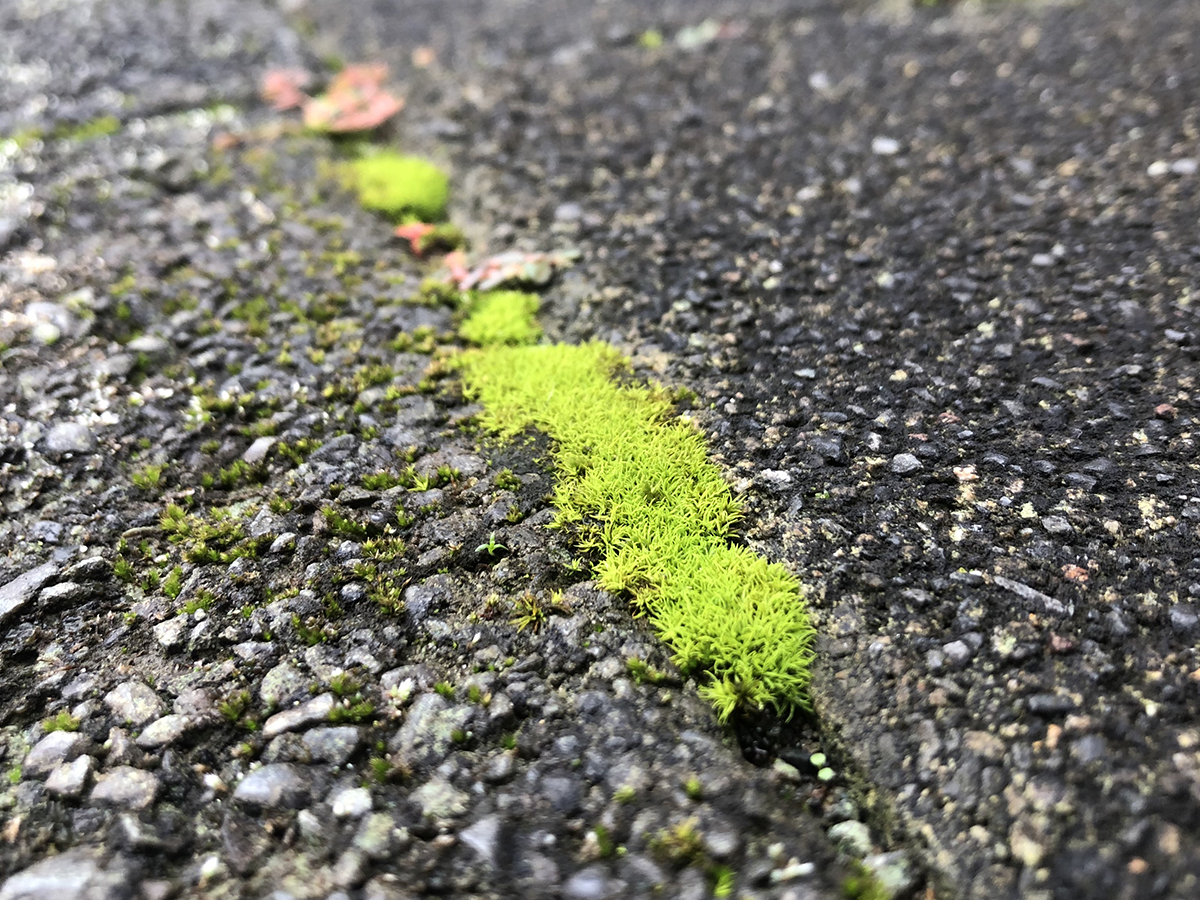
(636, 486)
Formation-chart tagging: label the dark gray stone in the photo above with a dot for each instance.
(17, 593)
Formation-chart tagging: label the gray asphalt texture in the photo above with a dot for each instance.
(933, 276)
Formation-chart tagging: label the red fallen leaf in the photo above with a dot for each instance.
(413, 232)
(354, 101)
(1166, 412)
(344, 114)
(283, 88)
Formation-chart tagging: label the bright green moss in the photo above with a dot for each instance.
(501, 317)
(401, 186)
(102, 126)
(636, 485)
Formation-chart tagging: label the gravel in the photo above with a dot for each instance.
(932, 295)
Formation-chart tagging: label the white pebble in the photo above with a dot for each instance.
(885, 146)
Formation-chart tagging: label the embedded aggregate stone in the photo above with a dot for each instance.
(378, 836)
(16, 593)
(905, 464)
(274, 786)
(853, 837)
(126, 787)
(351, 803)
(55, 748)
(63, 593)
(70, 778)
(592, 883)
(283, 684)
(334, 745)
(438, 799)
(165, 731)
(484, 838)
(70, 437)
(80, 873)
(172, 633)
(427, 735)
(309, 713)
(893, 873)
(134, 703)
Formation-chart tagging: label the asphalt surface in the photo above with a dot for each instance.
(933, 276)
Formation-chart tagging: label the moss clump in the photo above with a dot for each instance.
(64, 721)
(636, 484)
(102, 126)
(501, 317)
(401, 186)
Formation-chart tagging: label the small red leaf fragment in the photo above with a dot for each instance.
(283, 88)
(456, 263)
(414, 233)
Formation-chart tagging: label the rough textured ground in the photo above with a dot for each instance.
(933, 278)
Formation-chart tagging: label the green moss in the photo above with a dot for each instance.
(173, 586)
(255, 313)
(529, 613)
(644, 673)
(507, 481)
(651, 39)
(102, 126)
(388, 592)
(25, 136)
(235, 473)
(96, 128)
(501, 317)
(123, 569)
(863, 885)
(401, 186)
(234, 706)
(680, 845)
(380, 481)
(343, 525)
(64, 721)
(203, 600)
(636, 486)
